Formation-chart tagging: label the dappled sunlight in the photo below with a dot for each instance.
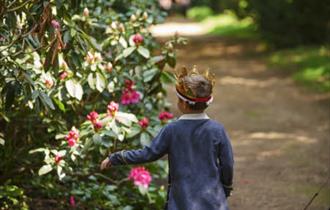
(281, 136)
(269, 153)
(183, 29)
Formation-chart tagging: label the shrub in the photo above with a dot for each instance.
(61, 66)
(199, 13)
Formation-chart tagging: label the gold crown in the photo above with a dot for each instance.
(181, 73)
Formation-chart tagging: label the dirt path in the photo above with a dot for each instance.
(280, 132)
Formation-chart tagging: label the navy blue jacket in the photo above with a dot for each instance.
(200, 162)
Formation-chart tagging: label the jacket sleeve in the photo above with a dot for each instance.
(226, 161)
(158, 148)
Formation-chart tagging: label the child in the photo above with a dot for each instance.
(199, 151)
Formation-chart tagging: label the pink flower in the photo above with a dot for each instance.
(92, 116)
(129, 84)
(58, 158)
(63, 75)
(97, 125)
(113, 107)
(130, 96)
(73, 134)
(137, 39)
(72, 137)
(72, 201)
(49, 83)
(144, 122)
(56, 24)
(140, 176)
(71, 142)
(163, 116)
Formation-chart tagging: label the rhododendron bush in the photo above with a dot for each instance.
(78, 80)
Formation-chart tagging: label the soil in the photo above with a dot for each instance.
(280, 131)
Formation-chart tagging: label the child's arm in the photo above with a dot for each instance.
(226, 163)
(156, 150)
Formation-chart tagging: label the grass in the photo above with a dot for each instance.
(229, 25)
(225, 24)
(310, 65)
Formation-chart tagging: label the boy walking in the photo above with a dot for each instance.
(199, 150)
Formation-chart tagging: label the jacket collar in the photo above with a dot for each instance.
(199, 116)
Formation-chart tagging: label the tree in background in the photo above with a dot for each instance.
(284, 23)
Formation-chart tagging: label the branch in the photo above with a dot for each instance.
(19, 7)
(316, 194)
(111, 180)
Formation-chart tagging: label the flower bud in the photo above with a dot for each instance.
(56, 24)
(108, 67)
(89, 58)
(86, 12)
(63, 75)
(49, 83)
(133, 18)
(121, 27)
(112, 108)
(98, 56)
(144, 123)
(58, 158)
(114, 25)
(97, 125)
(137, 39)
(145, 15)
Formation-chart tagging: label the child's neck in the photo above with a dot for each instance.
(192, 112)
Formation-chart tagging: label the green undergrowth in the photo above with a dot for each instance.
(225, 24)
(309, 66)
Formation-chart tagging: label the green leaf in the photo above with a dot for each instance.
(144, 52)
(167, 77)
(97, 138)
(74, 89)
(157, 59)
(87, 144)
(100, 82)
(2, 140)
(128, 51)
(37, 150)
(143, 190)
(126, 118)
(133, 131)
(46, 99)
(60, 105)
(171, 61)
(110, 133)
(123, 42)
(94, 43)
(91, 81)
(145, 139)
(128, 208)
(45, 169)
(149, 74)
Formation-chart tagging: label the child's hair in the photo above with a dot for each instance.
(195, 87)
(200, 87)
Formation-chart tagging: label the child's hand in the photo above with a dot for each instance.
(105, 164)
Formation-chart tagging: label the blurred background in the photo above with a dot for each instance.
(272, 64)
